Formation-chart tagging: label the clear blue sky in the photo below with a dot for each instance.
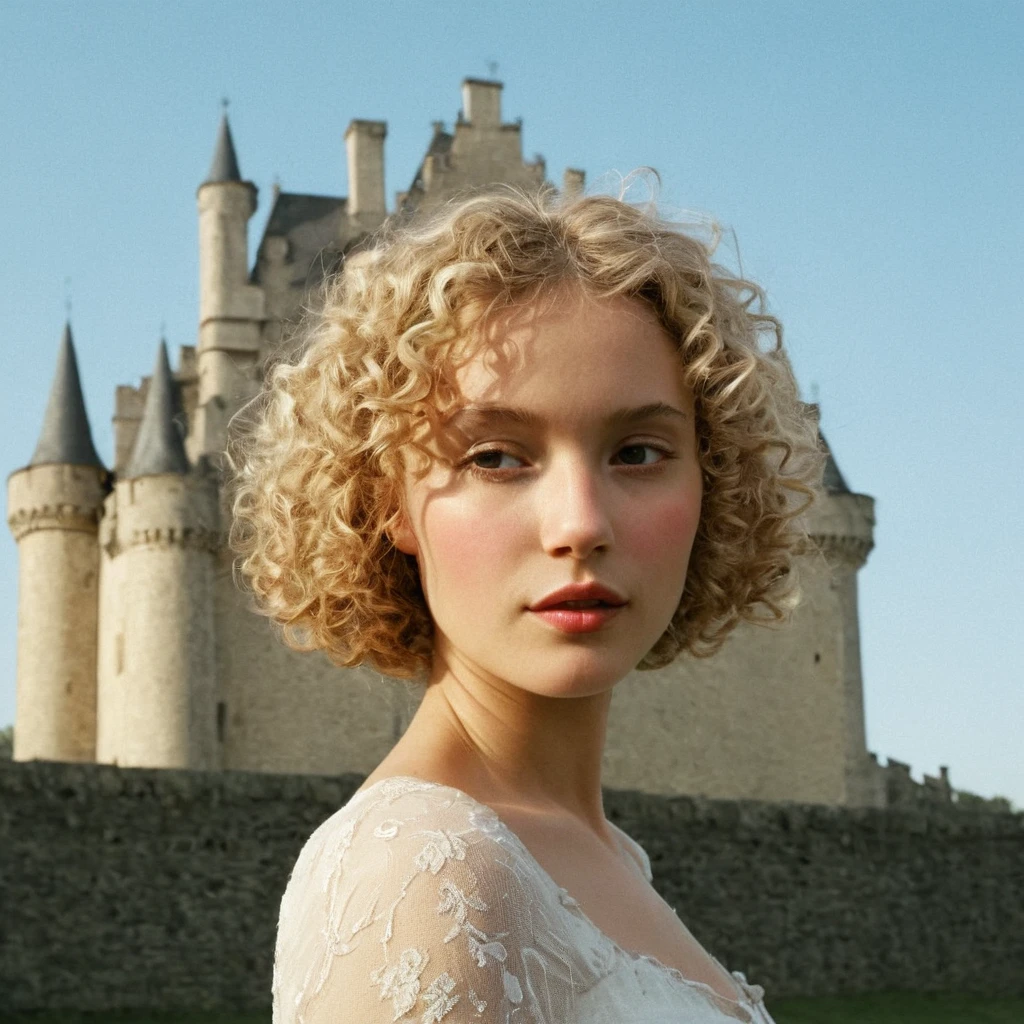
(868, 156)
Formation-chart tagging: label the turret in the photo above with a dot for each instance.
(157, 685)
(231, 310)
(54, 507)
(842, 525)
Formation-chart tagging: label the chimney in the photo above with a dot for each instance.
(481, 102)
(364, 144)
(572, 182)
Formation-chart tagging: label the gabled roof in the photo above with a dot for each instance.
(313, 227)
(159, 444)
(440, 144)
(224, 166)
(291, 209)
(66, 437)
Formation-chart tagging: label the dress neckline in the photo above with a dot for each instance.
(750, 995)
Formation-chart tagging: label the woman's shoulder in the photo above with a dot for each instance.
(398, 819)
(411, 894)
(405, 807)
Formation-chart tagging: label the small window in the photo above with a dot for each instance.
(222, 714)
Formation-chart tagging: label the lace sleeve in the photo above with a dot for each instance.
(409, 909)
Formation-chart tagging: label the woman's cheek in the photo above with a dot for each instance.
(467, 548)
(663, 533)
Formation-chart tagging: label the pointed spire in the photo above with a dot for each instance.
(159, 446)
(66, 437)
(225, 163)
(832, 480)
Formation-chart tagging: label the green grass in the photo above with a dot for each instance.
(898, 1008)
(874, 1008)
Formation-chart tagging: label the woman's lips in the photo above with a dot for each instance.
(579, 620)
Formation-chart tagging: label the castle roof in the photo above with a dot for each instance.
(225, 163)
(311, 223)
(293, 209)
(66, 437)
(439, 146)
(159, 446)
(312, 226)
(832, 479)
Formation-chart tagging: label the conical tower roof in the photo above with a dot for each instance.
(66, 437)
(159, 446)
(832, 480)
(225, 163)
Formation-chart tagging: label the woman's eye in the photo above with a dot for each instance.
(640, 455)
(494, 459)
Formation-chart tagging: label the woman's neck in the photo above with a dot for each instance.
(519, 749)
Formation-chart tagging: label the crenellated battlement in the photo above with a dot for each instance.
(188, 538)
(902, 790)
(65, 516)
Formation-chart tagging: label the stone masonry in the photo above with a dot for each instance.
(135, 647)
(160, 889)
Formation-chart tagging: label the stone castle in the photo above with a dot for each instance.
(135, 647)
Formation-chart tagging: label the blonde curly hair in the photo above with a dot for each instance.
(316, 458)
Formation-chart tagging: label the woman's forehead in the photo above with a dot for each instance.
(613, 352)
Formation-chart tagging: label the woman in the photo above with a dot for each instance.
(529, 445)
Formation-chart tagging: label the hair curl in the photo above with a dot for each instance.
(316, 457)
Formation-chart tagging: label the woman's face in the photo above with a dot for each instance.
(575, 463)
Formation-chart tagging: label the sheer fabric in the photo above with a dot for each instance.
(415, 903)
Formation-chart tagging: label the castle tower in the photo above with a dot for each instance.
(54, 507)
(157, 694)
(231, 310)
(843, 525)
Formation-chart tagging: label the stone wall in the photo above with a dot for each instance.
(159, 889)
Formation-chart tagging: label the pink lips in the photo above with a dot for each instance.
(559, 608)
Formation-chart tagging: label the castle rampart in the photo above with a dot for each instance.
(168, 885)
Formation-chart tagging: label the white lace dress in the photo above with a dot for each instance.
(415, 903)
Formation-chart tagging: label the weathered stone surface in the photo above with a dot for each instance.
(131, 887)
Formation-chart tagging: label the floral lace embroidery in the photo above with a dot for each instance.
(455, 901)
(439, 998)
(401, 984)
(388, 828)
(444, 846)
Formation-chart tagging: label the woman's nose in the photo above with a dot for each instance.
(573, 513)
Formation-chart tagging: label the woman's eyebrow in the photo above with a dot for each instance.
(486, 414)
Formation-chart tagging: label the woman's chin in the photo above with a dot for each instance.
(579, 674)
